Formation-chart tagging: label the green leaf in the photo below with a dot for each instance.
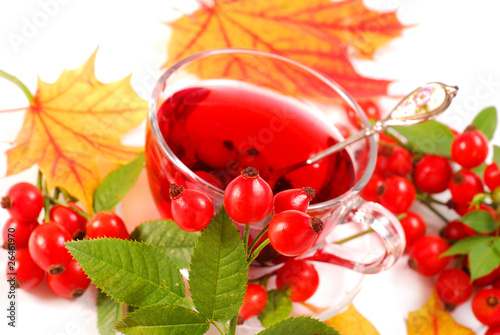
(166, 235)
(480, 169)
(486, 121)
(430, 137)
(302, 325)
(219, 270)
(130, 272)
(116, 184)
(484, 258)
(163, 320)
(278, 307)
(109, 312)
(464, 246)
(480, 221)
(496, 154)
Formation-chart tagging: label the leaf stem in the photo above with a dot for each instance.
(216, 326)
(19, 84)
(246, 237)
(39, 181)
(257, 250)
(232, 325)
(352, 237)
(55, 201)
(13, 110)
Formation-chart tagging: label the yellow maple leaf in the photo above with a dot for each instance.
(432, 319)
(72, 123)
(352, 322)
(319, 33)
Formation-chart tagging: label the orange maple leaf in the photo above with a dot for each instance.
(352, 322)
(318, 33)
(72, 123)
(432, 319)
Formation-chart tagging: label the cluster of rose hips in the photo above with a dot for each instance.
(248, 199)
(38, 249)
(402, 176)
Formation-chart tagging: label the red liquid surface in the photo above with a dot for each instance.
(218, 130)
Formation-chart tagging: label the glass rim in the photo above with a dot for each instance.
(153, 121)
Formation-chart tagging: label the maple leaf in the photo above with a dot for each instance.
(319, 33)
(71, 124)
(352, 322)
(432, 319)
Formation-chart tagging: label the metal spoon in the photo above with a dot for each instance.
(424, 103)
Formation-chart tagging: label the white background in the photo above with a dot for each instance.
(455, 42)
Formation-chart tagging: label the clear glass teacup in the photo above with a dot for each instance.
(220, 110)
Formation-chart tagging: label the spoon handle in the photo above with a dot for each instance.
(376, 128)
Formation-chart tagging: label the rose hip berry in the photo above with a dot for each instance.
(74, 223)
(397, 194)
(432, 174)
(493, 331)
(292, 233)
(298, 199)
(24, 201)
(192, 210)
(470, 149)
(106, 224)
(398, 161)
(71, 284)
(453, 287)
(486, 306)
(372, 188)
(21, 230)
(455, 230)
(254, 302)
(414, 227)
(28, 274)
(46, 246)
(425, 255)
(492, 176)
(464, 185)
(248, 198)
(299, 278)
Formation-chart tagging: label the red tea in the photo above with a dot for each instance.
(220, 128)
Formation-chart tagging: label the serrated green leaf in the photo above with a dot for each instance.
(219, 270)
(480, 221)
(166, 235)
(130, 272)
(109, 312)
(430, 137)
(163, 320)
(278, 307)
(496, 154)
(484, 258)
(302, 325)
(464, 246)
(486, 121)
(117, 183)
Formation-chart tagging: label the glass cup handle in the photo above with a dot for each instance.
(388, 228)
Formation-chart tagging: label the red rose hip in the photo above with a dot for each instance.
(432, 174)
(248, 198)
(254, 302)
(299, 278)
(71, 284)
(470, 149)
(46, 246)
(297, 198)
(425, 255)
(106, 224)
(486, 306)
(192, 210)
(24, 201)
(28, 274)
(292, 233)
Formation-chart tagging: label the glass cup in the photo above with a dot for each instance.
(307, 87)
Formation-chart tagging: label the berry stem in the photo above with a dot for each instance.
(19, 84)
(257, 250)
(57, 202)
(427, 200)
(247, 236)
(258, 237)
(216, 326)
(39, 181)
(352, 237)
(46, 208)
(57, 192)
